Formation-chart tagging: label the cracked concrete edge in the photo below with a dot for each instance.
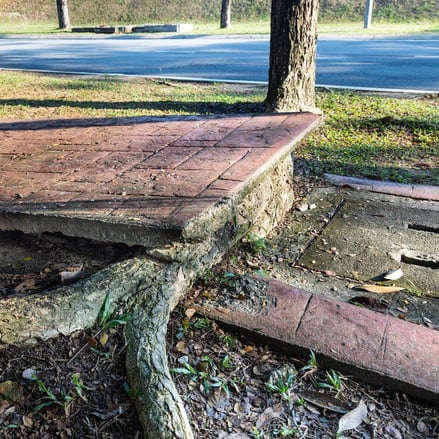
(63, 311)
(422, 192)
(375, 347)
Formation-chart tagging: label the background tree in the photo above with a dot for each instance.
(63, 14)
(226, 11)
(293, 46)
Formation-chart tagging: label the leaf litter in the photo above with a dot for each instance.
(225, 390)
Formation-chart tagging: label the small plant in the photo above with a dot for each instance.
(300, 402)
(282, 388)
(229, 340)
(257, 434)
(227, 364)
(202, 323)
(104, 317)
(79, 386)
(49, 398)
(257, 243)
(335, 381)
(286, 431)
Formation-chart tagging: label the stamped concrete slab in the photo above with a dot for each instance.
(372, 233)
(134, 180)
(374, 346)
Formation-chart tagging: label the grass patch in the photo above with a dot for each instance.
(262, 27)
(380, 137)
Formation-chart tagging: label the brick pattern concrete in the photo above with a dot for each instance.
(370, 344)
(157, 172)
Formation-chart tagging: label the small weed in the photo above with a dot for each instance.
(227, 364)
(286, 431)
(202, 323)
(257, 434)
(282, 388)
(64, 400)
(300, 402)
(104, 317)
(335, 381)
(312, 362)
(79, 386)
(229, 340)
(256, 243)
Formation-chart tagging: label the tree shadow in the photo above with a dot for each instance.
(185, 108)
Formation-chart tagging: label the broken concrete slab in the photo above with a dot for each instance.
(374, 346)
(140, 181)
(372, 233)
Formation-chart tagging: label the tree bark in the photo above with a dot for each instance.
(159, 406)
(63, 14)
(293, 47)
(226, 13)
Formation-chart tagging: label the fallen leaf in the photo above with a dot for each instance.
(353, 419)
(104, 339)
(11, 391)
(181, 347)
(324, 401)
(27, 421)
(190, 312)
(27, 285)
(393, 274)
(380, 289)
(268, 414)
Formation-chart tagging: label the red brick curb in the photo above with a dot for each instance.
(376, 347)
(423, 192)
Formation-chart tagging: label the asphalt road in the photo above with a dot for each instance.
(389, 63)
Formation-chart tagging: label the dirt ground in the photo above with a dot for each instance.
(232, 387)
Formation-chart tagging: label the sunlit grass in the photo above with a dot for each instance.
(367, 135)
(243, 28)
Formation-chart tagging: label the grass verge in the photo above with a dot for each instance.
(390, 138)
(335, 29)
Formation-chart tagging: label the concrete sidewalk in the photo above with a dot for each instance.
(135, 180)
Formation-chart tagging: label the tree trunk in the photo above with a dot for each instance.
(226, 11)
(293, 47)
(63, 14)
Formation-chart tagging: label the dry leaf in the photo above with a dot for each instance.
(353, 419)
(181, 347)
(190, 312)
(27, 285)
(393, 274)
(324, 401)
(27, 421)
(268, 415)
(104, 339)
(379, 289)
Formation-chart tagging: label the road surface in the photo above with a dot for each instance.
(389, 63)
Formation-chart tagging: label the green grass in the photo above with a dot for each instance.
(381, 137)
(245, 28)
(378, 137)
